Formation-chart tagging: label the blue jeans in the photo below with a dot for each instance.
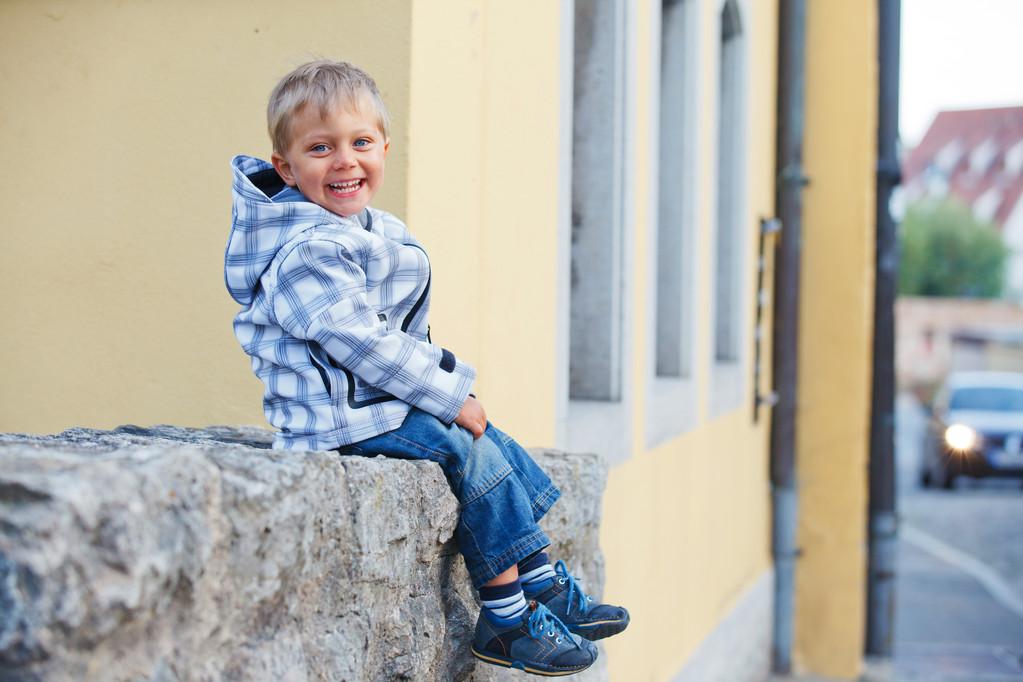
(501, 490)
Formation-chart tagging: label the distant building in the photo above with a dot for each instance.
(935, 336)
(976, 155)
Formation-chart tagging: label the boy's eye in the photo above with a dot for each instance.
(319, 148)
(362, 142)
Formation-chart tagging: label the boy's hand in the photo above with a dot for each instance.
(472, 417)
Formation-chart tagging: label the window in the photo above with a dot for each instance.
(598, 396)
(986, 205)
(730, 236)
(949, 156)
(595, 329)
(675, 219)
(672, 398)
(1014, 159)
(982, 156)
(729, 189)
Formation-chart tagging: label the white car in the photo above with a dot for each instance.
(976, 428)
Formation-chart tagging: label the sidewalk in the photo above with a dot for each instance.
(949, 628)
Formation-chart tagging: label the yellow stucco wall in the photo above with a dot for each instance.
(122, 118)
(482, 195)
(836, 322)
(118, 121)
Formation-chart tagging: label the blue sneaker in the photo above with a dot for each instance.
(537, 643)
(566, 600)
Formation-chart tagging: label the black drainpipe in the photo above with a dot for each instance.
(883, 524)
(789, 206)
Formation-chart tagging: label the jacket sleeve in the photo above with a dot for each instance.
(320, 295)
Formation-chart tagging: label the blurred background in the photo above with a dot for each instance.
(959, 331)
(764, 256)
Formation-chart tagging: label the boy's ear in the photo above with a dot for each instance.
(387, 145)
(283, 169)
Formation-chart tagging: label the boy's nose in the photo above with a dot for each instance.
(344, 159)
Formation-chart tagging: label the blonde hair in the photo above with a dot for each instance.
(324, 84)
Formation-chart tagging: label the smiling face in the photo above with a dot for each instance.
(337, 160)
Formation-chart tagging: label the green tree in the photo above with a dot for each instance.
(946, 251)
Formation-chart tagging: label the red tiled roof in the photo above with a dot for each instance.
(969, 129)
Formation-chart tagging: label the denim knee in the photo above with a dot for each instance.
(483, 470)
(530, 476)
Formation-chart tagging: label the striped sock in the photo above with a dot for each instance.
(534, 572)
(503, 603)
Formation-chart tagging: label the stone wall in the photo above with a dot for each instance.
(171, 554)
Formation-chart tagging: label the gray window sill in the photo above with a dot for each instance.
(598, 426)
(727, 387)
(671, 409)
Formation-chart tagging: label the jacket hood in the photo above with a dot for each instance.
(261, 226)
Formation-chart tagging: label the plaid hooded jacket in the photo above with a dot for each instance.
(334, 316)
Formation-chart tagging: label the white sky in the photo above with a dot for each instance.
(958, 54)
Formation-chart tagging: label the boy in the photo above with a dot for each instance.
(335, 298)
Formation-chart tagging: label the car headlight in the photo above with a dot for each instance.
(961, 437)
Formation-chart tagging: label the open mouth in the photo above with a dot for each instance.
(346, 188)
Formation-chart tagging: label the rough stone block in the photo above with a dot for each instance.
(172, 554)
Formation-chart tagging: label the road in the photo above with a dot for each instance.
(959, 585)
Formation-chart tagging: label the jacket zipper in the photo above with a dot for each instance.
(405, 324)
(319, 368)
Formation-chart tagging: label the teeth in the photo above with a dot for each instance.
(345, 186)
